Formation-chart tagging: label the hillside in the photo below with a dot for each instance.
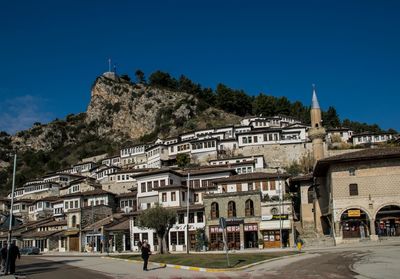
(119, 113)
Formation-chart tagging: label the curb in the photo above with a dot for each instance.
(203, 269)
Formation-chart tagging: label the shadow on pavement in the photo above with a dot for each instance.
(40, 267)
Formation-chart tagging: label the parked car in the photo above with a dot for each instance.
(29, 251)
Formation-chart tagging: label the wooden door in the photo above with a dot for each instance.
(74, 243)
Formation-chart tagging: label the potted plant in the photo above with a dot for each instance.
(260, 243)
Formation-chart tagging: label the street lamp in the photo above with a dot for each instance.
(11, 215)
(280, 205)
(187, 214)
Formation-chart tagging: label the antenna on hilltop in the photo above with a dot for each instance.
(109, 64)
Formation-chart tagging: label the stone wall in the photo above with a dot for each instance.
(93, 214)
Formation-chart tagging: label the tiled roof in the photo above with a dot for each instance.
(157, 171)
(50, 198)
(126, 195)
(103, 222)
(299, 178)
(357, 156)
(121, 226)
(250, 177)
(207, 170)
(96, 192)
(34, 234)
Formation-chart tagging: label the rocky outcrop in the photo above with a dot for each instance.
(129, 111)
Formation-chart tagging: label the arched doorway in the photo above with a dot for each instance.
(388, 221)
(355, 223)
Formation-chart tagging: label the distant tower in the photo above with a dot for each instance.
(317, 132)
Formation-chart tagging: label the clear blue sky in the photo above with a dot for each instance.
(52, 51)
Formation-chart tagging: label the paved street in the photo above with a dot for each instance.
(359, 262)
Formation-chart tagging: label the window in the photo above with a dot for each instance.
(162, 183)
(249, 208)
(214, 210)
(174, 240)
(143, 187)
(191, 217)
(76, 204)
(310, 195)
(250, 186)
(244, 139)
(231, 209)
(200, 217)
(181, 238)
(173, 196)
(164, 197)
(352, 171)
(255, 139)
(272, 184)
(183, 196)
(181, 218)
(155, 184)
(73, 221)
(196, 197)
(353, 189)
(149, 186)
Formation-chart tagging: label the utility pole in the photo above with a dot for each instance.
(280, 207)
(187, 214)
(11, 215)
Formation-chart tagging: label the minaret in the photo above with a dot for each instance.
(317, 132)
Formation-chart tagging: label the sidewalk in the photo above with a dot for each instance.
(366, 243)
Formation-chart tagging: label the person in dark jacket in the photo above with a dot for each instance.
(3, 254)
(145, 254)
(14, 254)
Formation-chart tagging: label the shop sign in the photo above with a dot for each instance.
(266, 217)
(251, 228)
(354, 213)
(280, 217)
(234, 221)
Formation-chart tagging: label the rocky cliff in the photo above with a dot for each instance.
(124, 110)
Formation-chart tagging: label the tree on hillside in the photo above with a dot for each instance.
(140, 78)
(233, 101)
(264, 105)
(162, 79)
(125, 77)
(283, 106)
(331, 118)
(183, 160)
(188, 86)
(161, 220)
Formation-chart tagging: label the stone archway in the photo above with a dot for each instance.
(387, 220)
(355, 223)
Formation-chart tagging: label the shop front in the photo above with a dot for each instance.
(250, 235)
(216, 239)
(354, 223)
(177, 237)
(388, 221)
(275, 230)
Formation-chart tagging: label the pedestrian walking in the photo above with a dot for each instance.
(14, 254)
(3, 254)
(145, 254)
(139, 245)
(299, 244)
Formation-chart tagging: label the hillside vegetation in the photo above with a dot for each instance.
(122, 112)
